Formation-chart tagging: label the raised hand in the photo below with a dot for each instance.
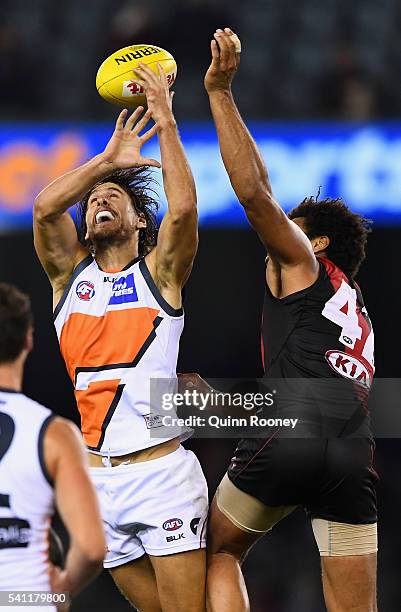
(226, 50)
(158, 96)
(124, 147)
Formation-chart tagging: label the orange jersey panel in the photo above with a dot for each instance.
(115, 337)
(101, 394)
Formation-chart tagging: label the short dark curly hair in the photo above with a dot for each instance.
(347, 231)
(15, 320)
(138, 183)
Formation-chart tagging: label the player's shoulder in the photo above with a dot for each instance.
(63, 431)
(30, 407)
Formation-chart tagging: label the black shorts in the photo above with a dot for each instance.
(333, 479)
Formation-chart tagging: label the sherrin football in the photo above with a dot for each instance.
(115, 79)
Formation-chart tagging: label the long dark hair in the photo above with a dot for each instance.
(138, 184)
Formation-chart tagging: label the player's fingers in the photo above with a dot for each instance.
(146, 73)
(149, 133)
(215, 51)
(138, 127)
(231, 44)
(139, 80)
(234, 38)
(148, 161)
(134, 117)
(120, 119)
(223, 46)
(162, 75)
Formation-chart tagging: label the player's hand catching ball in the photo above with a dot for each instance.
(226, 50)
(158, 96)
(124, 147)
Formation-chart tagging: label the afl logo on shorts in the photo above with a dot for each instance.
(350, 367)
(85, 290)
(172, 524)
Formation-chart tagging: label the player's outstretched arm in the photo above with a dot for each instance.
(171, 261)
(56, 240)
(285, 242)
(76, 501)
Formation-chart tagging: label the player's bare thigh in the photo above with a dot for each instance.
(170, 583)
(137, 582)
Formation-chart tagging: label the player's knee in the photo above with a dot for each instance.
(335, 539)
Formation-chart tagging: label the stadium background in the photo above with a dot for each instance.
(320, 83)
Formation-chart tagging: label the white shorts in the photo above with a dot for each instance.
(158, 507)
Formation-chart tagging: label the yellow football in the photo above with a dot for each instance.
(115, 79)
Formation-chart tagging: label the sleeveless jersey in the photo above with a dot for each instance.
(116, 333)
(324, 332)
(26, 494)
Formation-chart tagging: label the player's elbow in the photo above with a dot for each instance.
(253, 197)
(93, 550)
(185, 212)
(96, 555)
(42, 209)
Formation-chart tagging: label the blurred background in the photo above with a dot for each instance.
(320, 86)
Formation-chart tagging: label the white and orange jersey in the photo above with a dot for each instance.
(116, 333)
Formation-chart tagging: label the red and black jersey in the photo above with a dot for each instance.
(318, 357)
(323, 332)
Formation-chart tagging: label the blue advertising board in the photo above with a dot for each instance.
(359, 162)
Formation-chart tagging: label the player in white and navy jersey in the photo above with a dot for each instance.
(42, 464)
(318, 343)
(119, 318)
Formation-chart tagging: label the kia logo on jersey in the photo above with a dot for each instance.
(85, 290)
(124, 290)
(349, 367)
(172, 524)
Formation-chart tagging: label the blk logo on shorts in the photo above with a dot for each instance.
(172, 524)
(174, 538)
(124, 290)
(85, 290)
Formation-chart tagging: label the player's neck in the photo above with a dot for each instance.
(115, 257)
(11, 376)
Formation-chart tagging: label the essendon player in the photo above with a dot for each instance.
(119, 318)
(315, 328)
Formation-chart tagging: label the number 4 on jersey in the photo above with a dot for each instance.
(341, 309)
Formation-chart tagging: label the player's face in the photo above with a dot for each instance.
(110, 214)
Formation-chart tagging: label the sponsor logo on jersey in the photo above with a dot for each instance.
(349, 366)
(194, 524)
(172, 524)
(85, 290)
(124, 290)
(174, 538)
(14, 533)
(153, 420)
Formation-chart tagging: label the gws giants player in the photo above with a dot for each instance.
(119, 317)
(315, 327)
(42, 464)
